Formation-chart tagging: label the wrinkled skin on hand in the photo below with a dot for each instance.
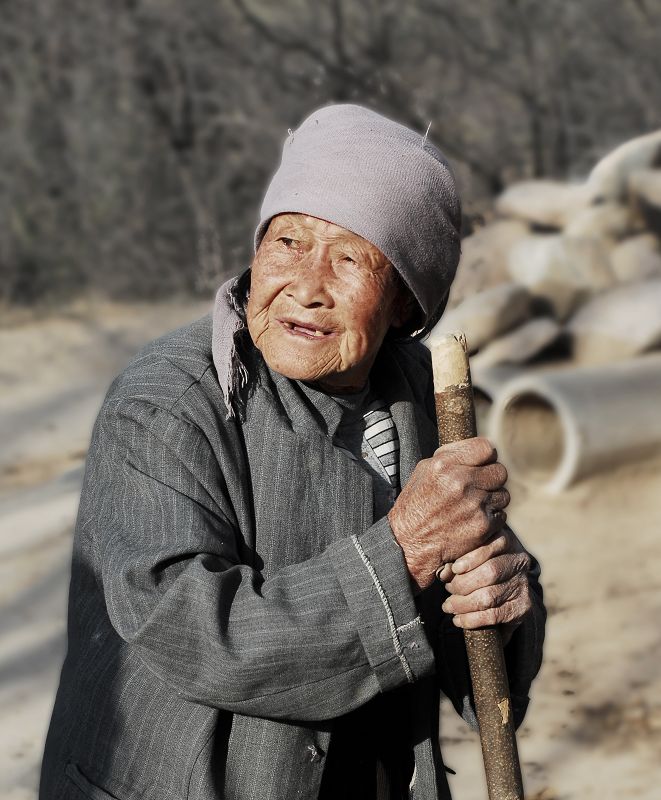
(446, 509)
(450, 518)
(489, 585)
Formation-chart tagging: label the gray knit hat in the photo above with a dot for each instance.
(351, 166)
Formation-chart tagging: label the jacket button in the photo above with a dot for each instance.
(315, 755)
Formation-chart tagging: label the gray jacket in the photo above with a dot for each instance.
(231, 594)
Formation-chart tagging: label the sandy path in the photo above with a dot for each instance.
(594, 727)
(45, 425)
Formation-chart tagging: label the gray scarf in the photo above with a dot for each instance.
(389, 184)
(227, 328)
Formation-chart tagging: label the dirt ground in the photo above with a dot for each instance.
(594, 725)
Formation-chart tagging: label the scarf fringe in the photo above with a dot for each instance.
(228, 327)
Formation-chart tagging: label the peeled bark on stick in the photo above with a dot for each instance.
(456, 420)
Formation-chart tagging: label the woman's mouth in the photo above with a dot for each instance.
(304, 329)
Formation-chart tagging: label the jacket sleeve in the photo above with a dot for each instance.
(313, 641)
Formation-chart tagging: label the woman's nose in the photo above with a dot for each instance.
(310, 286)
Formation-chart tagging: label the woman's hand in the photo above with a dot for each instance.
(451, 506)
(489, 585)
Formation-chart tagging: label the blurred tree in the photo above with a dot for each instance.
(136, 137)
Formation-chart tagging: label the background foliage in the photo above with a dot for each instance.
(136, 137)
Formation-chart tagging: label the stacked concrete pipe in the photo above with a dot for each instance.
(487, 384)
(554, 427)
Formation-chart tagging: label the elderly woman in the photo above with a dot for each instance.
(254, 608)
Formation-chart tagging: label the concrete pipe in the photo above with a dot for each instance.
(487, 383)
(554, 427)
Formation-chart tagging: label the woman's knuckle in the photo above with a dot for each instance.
(513, 590)
(488, 451)
(519, 566)
(500, 473)
(482, 524)
(513, 612)
(501, 496)
(461, 482)
(496, 594)
(467, 622)
(484, 599)
(493, 572)
(449, 479)
(478, 450)
(523, 584)
(491, 616)
(481, 500)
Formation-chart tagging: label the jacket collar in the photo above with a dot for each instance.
(402, 382)
(398, 379)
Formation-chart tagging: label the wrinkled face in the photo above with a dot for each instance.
(321, 301)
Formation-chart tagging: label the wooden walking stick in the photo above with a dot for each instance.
(455, 415)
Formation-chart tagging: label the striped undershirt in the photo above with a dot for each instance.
(380, 435)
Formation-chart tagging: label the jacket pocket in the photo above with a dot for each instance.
(89, 789)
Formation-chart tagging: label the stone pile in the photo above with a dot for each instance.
(560, 300)
(573, 266)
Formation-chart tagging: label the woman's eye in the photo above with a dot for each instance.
(290, 244)
(348, 259)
